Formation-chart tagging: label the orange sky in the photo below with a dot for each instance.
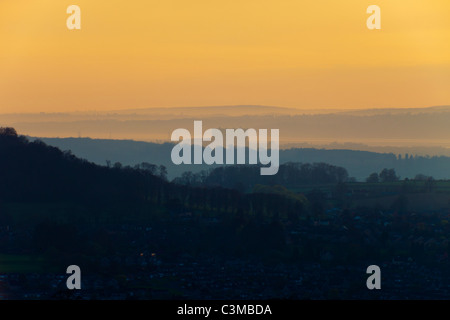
(306, 54)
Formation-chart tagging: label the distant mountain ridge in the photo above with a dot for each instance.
(359, 164)
(424, 129)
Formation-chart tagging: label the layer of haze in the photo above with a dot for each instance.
(302, 54)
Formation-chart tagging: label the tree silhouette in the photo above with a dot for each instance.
(163, 172)
(373, 178)
(7, 131)
(388, 175)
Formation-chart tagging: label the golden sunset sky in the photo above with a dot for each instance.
(171, 53)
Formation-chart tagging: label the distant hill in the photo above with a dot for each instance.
(424, 130)
(359, 164)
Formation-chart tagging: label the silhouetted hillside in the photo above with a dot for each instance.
(34, 171)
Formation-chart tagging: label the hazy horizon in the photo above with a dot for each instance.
(419, 131)
(293, 109)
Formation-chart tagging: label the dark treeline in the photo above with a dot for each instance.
(245, 177)
(360, 164)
